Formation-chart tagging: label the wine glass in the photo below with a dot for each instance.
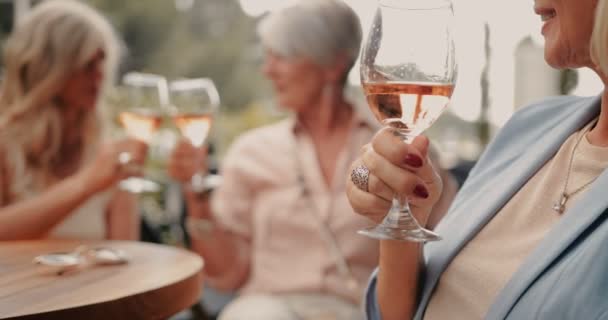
(194, 103)
(148, 99)
(408, 71)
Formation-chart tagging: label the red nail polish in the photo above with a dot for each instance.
(421, 192)
(413, 161)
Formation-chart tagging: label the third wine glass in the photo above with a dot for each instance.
(194, 103)
(148, 99)
(408, 72)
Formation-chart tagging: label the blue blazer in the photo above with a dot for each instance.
(566, 275)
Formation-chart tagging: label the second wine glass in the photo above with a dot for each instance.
(194, 104)
(408, 72)
(148, 99)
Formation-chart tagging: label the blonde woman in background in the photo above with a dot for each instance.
(56, 173)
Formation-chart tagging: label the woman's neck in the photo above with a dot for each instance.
(598, 136)
(328, 123)
(327, 116)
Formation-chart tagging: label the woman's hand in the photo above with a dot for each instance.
(107, 169)
(395, 168)
(186, 160)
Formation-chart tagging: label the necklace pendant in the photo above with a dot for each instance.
(560, 206)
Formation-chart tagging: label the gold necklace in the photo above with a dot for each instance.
(560, 205)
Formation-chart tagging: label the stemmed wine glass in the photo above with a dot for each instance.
(148, 100)
(408, 72)
(194, 104)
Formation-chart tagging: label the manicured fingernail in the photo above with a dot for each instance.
(413, 161)
(421, 192)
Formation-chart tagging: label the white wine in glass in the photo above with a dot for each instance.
(194, 104)
(194, 126)
(140, 124)
(408, 73)
(147, 102)
(411, 107)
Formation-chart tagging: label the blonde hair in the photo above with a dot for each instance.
(55, 39)
(316, 29)
(599, 37)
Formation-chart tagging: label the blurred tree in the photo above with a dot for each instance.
(483, 123)
(568, 80)
(212, 39)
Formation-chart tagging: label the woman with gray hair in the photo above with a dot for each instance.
(279, 229)
(56, 174)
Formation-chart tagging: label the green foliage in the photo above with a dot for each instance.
(213, 39)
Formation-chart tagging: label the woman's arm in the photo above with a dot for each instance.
(122, 217)
(404, 169)
(398, 272)
(440, 209)
(35, 217)
(226, 254)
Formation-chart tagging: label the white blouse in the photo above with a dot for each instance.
(86, 222)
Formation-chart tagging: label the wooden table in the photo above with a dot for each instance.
(158, 282)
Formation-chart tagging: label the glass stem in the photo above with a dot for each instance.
(197, 182)
(400, 215)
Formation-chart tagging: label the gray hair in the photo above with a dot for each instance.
(315, 29)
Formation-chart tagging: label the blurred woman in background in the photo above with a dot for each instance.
(279, 229)
(56, 174)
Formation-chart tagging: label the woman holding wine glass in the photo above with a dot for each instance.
(194, 104)
(279, 228)
(56, 172)
(528, 229)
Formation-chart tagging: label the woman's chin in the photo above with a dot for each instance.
(573, 60)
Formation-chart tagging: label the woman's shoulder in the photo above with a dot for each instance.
(268, 131)
(547, 108)
(536, 118)
(262, 138)
(527, 125)
(261, 141)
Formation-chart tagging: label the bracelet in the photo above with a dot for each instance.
(199, 227)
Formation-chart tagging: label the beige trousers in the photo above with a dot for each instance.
(290, 307)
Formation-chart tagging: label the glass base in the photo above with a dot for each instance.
(382, 232)
(204, 183)
(138, 185)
